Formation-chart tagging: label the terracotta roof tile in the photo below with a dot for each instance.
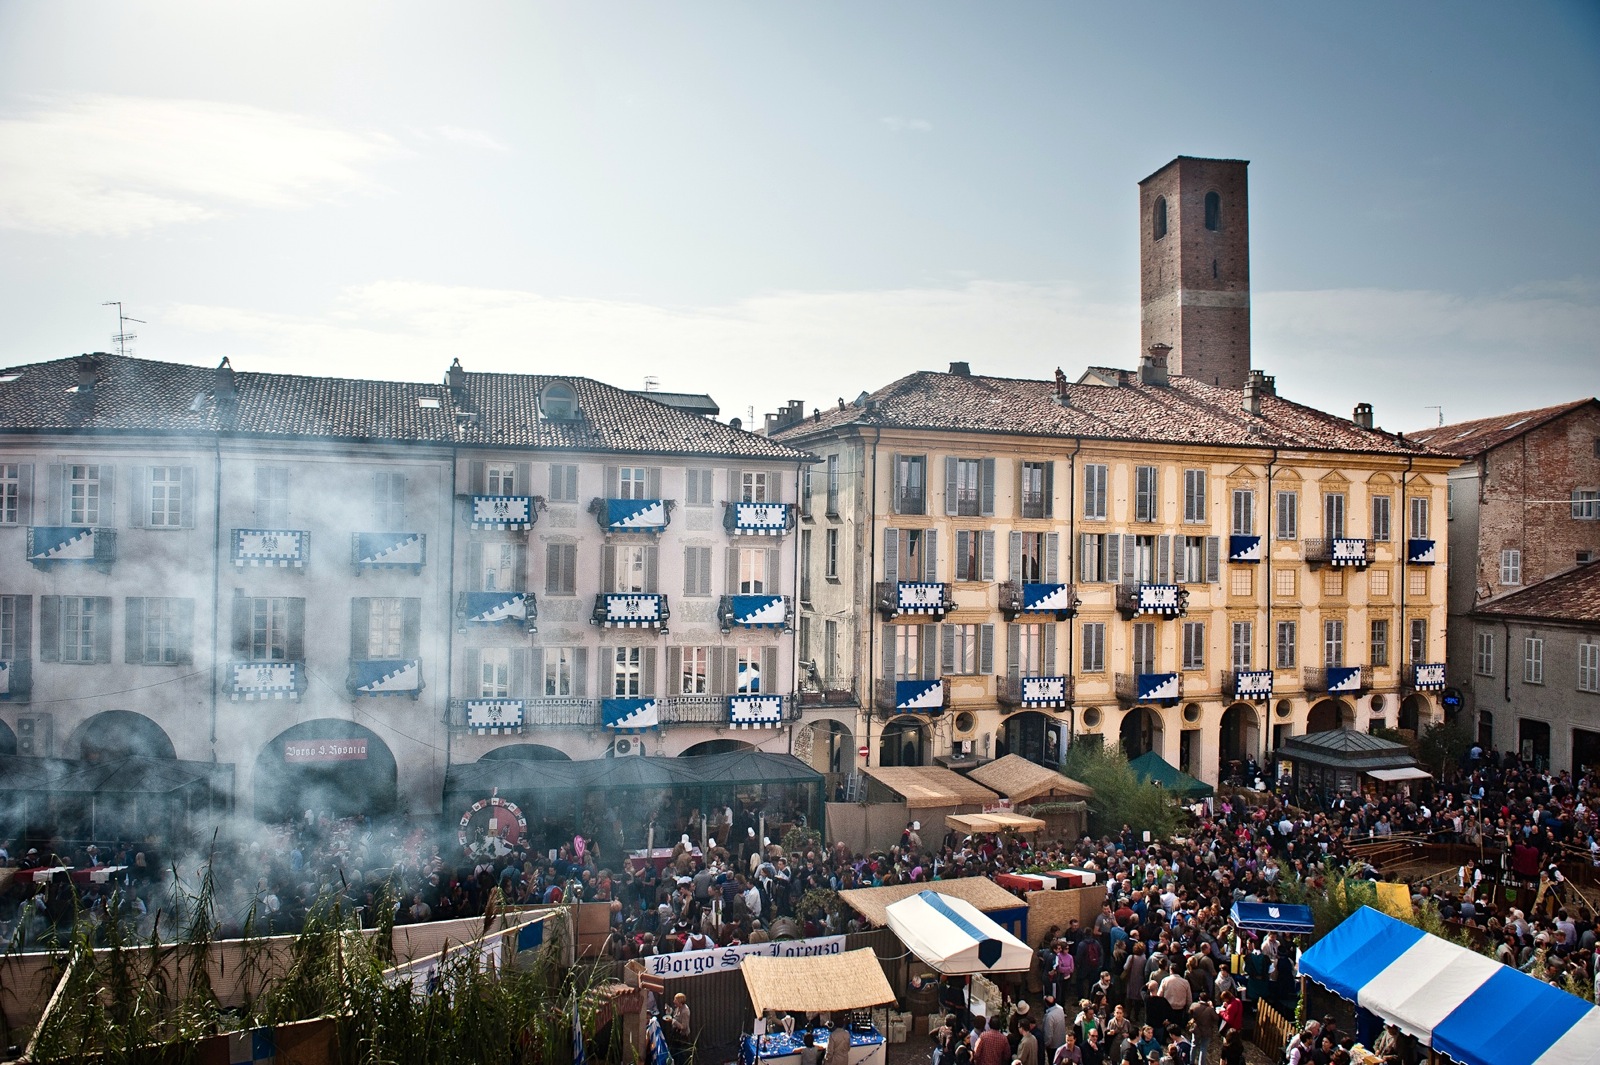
(1185, 411)
(1468, 439)
(1570, 596)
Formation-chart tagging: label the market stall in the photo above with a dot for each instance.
(1458, 1002)
(954, 937)
(995, 902)
(845, 986)
(1039, 791)
(1272, 917)
(997, 821)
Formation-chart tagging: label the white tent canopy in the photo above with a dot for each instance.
(955, 937)
(1390, 775)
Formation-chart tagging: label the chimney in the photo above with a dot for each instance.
(223, 387)
(1061, 388)
(1153, 365)
(1265, 385)
(961, 369)
(456, 378)
(1363, 415)
(88, 373)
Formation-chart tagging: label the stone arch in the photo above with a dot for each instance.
(529, 752)
(716, 747)
(904, 741)
(115, 734)
(1141, 731)
(1326, 715)
(1036, 736)
(1415, 712)
(328, 765)
(1239, 738)
(826, 745)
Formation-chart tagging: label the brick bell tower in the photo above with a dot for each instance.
(1194, 268)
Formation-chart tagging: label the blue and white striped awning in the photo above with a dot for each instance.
(386, 676)
(1252, 684)
(271, 547)
(629, 716)
(1244, 549)
(633, 610)
(489, 608)
(1344, 678)
(1420, 552)
(1040, 692)
(1048, 598)
(759, 519)
(755, 711)
(1462, 1004)
(760, 611)
(502, 512)
(495, 717)
(1348, 552)
(919, 597)
(1160, 599)
(954, 937)
(918, 696)
(1273, 917)
(1158, 688)
(636, 515)
(1429, 676)
(390, 549)
(61, 543)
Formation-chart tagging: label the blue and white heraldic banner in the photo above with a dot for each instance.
(502, 512)
(760, 519)
(630, 610)
(636, 515)
(919, 597)
(1429, 676)
(755, 711)
(392, 676)
(918, 696)
(270, 547)
(1344, 678)
(1048, 598)
(1158, 687)
(1159, 599)
(1255, 684)
(628, 716)
(760, 611)
(495, 717)
(391, 549)
(1043, 691)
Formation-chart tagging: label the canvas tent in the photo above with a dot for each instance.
(1023, 781)
(979, 891)
(998, 821)
(826, 983)
(954, 937)
(1460, 1003)
(1151, 768)
(1273, 917)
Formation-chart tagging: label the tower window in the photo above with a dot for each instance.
(1213, 211)
(1213, 268)
(1159, 223)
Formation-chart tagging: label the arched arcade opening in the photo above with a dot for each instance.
(328, 766)
(1240, 740)
(904, 742)
(1141, 731)
(115, 734)
(1036, 736)
(1329, 714)
(530, 752)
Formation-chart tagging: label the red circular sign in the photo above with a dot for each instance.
(503, 821)
(864, 750)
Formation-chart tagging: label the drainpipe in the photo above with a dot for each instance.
(450, 608)
(794, 644)
(1072, 574)
(1266, 637)
(216, 579)
(1404, 554)
(872, 628)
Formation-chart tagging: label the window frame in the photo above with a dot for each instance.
(1194, 645)
(170, 489)
(1096, 476)
(84, 500)
(1483, 653)
(1286, 514)
(1243, 507)
(1242, 645)
(1194, 496)
(1333, 645)
(1533, 660)
(1378, 642)
(1382, 518)
(1147, 494)
(1093, 656)
(1286, 645)
(1511, 567)
(1144, 647)
(1589, 667)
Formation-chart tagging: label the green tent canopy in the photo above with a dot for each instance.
(1151, 768)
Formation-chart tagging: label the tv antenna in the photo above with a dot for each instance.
(652, 384)
(122, 338)
(1438, 408)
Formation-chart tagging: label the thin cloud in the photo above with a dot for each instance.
(1331, 349)
(475, 138)
(118, 165)
(902, 125)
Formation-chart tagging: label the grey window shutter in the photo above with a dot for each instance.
(186, 483)
(986, 555)
(1049, 649)
(1013, 652)
(185, 626)
(1086, 556)
(732, 587)
(774, 568)
(536, 673)
(735, 486)
(518, 686)
(1049, 489)
(1052, 548)
(1016, 558)
(652, 568)
(411, 628)
(1163, 559)
(613, 482)
(1113, 558)
(769, 670)
(674, 670)
(524, 484)
(897, 499)
(985, 649)
(474, 566)
(477, 478)
(891, 557)
(930, 659)
(57, 475)
(519, 567)
(652, 482)
(1213, 559)
(108, 496)
(951, 489)
(25, 494)
(1128, 544)
(604, 681)
(140, 501)
(730, 671)
(580, 673)
(947, 647)
(691, 571)
(608, 556)
(647, 672)
(133, 637)
(888, 653)
(241, 626)
(963, 553)
(380, 500)
(297, 630)
(930, 555)
(102, 629)
(49, 628)
(360, 613)
(986, 487)
(474, 677)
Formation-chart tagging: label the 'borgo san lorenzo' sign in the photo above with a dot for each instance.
(724, 959)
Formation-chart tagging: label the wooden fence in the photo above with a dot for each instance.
(1273, 1031)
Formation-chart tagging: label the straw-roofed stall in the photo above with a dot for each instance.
(827, 983)
(1039, 791)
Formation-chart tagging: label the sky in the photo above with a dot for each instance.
(800, 201)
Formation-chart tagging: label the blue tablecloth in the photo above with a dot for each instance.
(778, 1045)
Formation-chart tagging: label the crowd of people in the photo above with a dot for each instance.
(1160, 972)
